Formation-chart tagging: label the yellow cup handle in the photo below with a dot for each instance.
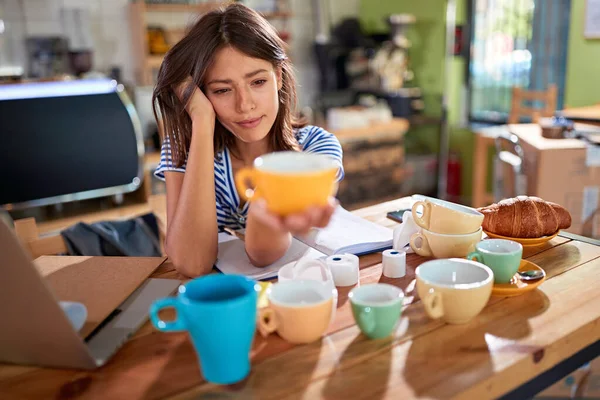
(434, 306)
(422, 221)
(241, 182)
(266, 321)
(424, 250)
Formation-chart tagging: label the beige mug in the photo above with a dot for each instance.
(430, 244)
(442, 216)
(455, 290)
(299, 310)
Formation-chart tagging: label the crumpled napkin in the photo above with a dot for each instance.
(404, 231)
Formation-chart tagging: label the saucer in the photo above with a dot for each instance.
(524, 241)
(517, 286)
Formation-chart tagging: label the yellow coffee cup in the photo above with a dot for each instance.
(300, 311)
(289, 181)
(454, 289)
(430, 244)
(445, 217)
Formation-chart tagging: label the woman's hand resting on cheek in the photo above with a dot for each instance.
(296, 224)
(199, 108)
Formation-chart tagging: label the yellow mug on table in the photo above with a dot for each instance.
(289, 181)
(454, 289)
(300, 311)
(430, 244)
(442, 216)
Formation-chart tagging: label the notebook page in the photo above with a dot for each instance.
(348, 233)
(232, 258)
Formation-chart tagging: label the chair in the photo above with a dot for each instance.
(27, 232)
(519, 95)
(486, 138)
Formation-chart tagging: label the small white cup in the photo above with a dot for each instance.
(394, 263)
(344, 269)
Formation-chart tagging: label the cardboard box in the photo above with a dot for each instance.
(564, 171)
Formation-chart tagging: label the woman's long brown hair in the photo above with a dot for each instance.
(248, 32)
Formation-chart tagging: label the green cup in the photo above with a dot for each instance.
(376, 308)
(502, 256)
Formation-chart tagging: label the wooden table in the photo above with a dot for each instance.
(589, 114)
(511, 342)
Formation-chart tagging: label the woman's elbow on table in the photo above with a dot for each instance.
(191, 266)
(192, 269)
(264, 259)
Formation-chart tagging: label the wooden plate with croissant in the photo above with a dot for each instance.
(527, 220)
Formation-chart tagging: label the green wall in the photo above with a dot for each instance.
(461, 138)
(583, 62)
(427, 60)
(426, 36)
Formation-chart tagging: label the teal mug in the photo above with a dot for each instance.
(219, 313)
(376, 308)
(502, 256)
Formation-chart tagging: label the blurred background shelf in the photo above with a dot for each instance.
(195, 8)
(151, 41)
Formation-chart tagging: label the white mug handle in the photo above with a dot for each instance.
(302, 265)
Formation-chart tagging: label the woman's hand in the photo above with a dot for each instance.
(296, 224)
(198, 107)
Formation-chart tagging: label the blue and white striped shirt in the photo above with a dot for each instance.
(312, 139)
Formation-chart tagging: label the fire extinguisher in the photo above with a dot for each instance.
(453, 178)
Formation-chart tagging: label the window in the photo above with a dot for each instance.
(515, 43)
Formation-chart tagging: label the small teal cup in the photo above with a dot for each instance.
(376, 308)
(219, 313)
(502, 256)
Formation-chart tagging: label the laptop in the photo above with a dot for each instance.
(35, 329)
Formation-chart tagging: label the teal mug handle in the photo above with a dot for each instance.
(166, 326)
(475, 256)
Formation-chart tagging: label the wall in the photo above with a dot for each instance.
(461, 136)
(112, 41)
(583, 59)
(427, 58)
(427, 38)
(109, 27)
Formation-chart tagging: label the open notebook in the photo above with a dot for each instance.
(346, 233)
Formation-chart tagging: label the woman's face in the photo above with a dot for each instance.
(244, 93)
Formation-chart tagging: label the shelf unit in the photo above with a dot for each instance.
(146, 64)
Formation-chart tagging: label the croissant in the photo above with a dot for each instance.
(525, 217)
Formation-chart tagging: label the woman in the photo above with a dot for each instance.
(226, 94)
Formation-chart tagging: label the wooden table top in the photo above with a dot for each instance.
(512, 341)
(589, 113)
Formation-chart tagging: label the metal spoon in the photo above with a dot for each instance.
(531, 275)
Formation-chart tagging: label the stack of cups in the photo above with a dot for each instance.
(447, 229)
